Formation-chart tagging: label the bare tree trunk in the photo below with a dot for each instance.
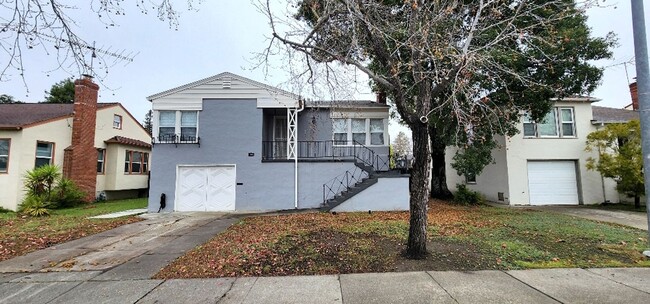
(439, 187)
(417, 241)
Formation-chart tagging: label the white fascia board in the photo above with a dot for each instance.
(195, 104)
(359, 113)
(276, 102)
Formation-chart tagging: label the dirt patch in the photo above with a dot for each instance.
(446, 255)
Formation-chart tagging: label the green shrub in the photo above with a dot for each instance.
(47, 189)
(67, 194)
(467, 197)
(34, 205)
(5, 210)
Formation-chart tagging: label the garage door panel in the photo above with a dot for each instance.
(552, 183)
(210, 188)
(221, 189)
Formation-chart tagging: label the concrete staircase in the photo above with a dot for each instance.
(355, 189)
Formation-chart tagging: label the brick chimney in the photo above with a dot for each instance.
(381, 97)
(80, 158)
(635, 96)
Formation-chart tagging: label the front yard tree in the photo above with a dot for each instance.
(148, 123)
(619, 157)
(465, 68)
(61, 92)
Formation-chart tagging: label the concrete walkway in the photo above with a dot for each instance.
(630, 285)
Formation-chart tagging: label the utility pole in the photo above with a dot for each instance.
(643, 86)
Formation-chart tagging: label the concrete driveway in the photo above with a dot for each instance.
(637, 220)
(133, 251)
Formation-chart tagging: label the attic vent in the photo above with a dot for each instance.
(227, 82)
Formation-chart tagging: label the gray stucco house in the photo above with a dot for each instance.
(229, 143)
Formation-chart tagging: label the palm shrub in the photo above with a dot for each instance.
(47, 189)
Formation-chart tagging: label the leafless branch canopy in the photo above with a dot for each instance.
(28, 26)
(467, 62)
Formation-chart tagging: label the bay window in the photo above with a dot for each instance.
(136, 162)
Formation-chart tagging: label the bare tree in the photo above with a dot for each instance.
(467, 68)
(45, 25)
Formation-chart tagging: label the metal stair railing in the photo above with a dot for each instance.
(343, 182)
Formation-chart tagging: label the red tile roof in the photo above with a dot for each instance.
(127, 141)
(15, 116)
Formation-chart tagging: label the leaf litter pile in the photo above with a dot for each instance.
(460, 238)
(23, 234)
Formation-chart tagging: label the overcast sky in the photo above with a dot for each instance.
(223, 36)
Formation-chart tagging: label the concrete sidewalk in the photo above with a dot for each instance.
(631, 285)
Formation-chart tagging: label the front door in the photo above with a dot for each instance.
(280, 137)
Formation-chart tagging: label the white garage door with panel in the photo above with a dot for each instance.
(205, 188)
(552, 183)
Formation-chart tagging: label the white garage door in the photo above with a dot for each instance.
(205, 188)
(552, 183)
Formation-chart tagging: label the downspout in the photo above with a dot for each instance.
(301, 105)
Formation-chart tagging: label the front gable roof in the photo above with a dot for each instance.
(222, 76)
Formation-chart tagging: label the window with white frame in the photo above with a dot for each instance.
(181, 125)
(101, 161)
(117, 121)
(559, 122)
(5, 144)
(44, 153)
(340, 131)
(188, 125)
(365, 131)
(166, 125)
(376, 131)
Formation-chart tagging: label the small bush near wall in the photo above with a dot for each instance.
(47, 189)
(467, 197)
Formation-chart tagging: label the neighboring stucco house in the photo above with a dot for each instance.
(229, 143)
(115, 161)
(545, 164)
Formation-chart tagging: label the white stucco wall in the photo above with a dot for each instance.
(22, 156)
(388, 194)
(520, 150)
(492, 180)
(114, 177)
(22, 152)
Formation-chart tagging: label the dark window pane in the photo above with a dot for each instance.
(188, 134)
(100, 167)
(376, 138)
(41, 162)
(144, 168)
(135, 167)
(359, 138)
(567, 129)
(529, 129)
(44, 149)
(3, 163)
(4, 147)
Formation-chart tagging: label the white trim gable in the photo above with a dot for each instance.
(226, 85)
